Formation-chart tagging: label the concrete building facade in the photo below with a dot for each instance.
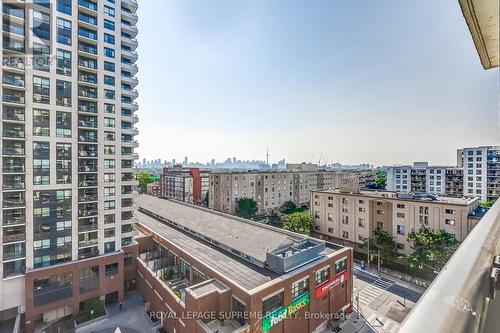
(481, 171)
(424, 178)
(243, 277)
(68, 77)
(351, 217)
(271, 190)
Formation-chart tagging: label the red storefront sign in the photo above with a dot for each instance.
(325, 287)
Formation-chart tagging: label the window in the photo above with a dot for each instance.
(109, 94)
(109, 150)
(380, 212)
(41, 122)
(109, 38)
(300, 287)
(109, 66)
(64, 225)
(400, 215)
(272, 303)
(109, 232)
(109, 205)
(109, 218)
(450, 211)
(345, 234)
(109, 191)
(401, 230)
(109, 25)
(109, 10)
(109, 164)
(63, 31)
(330, 217)
(128, 258)
(109, 177)
(340, 266)
(63, 93)
(63, 124)
(400, 246)
(41, 25)
(109, 52)
(111, 269)
(345, 219)
(361, 222)
(41, 90)
(89, 279)
(41, 57)
(449, 222)
(64, 6)
(63, 62)
(322, 275)
(109, 80)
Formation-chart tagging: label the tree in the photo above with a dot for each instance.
(384, 242)
(301, 222)
(431, 247)
(144, 178)
(486, 204)
(380, 177)
(246, 208)
(205, 200)
(289, 207)
(273, 217)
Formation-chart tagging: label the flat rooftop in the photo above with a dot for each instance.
(381, 194)
(251, 238)
(243, 273)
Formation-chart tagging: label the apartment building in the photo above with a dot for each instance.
(67, 105)
(272, 189)
(188, 185)
(424, 178)
(481, 171)
(206, 271)
(350, 217)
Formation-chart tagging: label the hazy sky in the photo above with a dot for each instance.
(381, 82)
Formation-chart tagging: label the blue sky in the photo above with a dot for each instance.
(382, 82)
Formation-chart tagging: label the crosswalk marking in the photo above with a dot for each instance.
(367, 295)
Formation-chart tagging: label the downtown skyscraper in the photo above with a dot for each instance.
(68, 127)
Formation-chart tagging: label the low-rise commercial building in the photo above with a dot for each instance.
(349, 218)
(188, 185)
(205, 271)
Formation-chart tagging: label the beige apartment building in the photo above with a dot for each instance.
(350, 217)
(272, 189)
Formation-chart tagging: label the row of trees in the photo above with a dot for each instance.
(431, 248)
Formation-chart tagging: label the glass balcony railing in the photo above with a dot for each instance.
(88, 4)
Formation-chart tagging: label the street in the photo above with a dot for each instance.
(383, 303)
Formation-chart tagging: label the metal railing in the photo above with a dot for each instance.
(460, 298)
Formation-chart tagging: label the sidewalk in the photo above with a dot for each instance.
(374, 272)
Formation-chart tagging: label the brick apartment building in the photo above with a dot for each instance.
(349, 216)
(194, 261)
(189, 185)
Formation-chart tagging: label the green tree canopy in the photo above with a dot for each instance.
(431, 247)
(384, 242)
(380, 176)
(246, 208)
(300, 222)
(144, 178)
(289, 207)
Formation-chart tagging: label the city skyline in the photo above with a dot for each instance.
(240, 77)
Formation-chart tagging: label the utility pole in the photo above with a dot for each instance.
(378, 255)
(368, 256)
(357, 302)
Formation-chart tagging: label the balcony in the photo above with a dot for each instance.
(89, 64)
(13, 80)
(85, 180)
(13, 45)
(132, 80)
(13, 97)
(87, 196)
(11, 148)
(130, 130)
(87, 92)
(86, 225)
(87, 122)
(87, 168)
(13, 255)
(130, 4)
(13, 114)
(130, 29)
(13, 131)
(89, 107)
(87, 210)
(87, 136)
(87, 78)
(129, 16)
(89, 153)
(88, 252)
(132, 68)
(87, 239)
(13, 184)
(13, 234)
